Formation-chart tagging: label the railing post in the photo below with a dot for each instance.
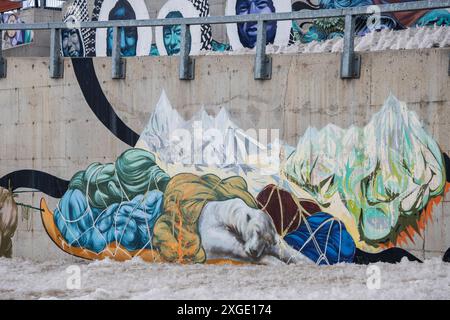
(118, 63)
(2, 59)
(187, 63)
(449, 64)
(263, 63)
(350, 61)
(56, 61)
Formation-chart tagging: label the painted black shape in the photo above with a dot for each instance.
(447, 166)
(446, 257)
(42, 181)
(392, 255)
(99, 104)
(299, 5)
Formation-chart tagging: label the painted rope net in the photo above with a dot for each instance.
(113, 203)
(317, 235)
(115, 207)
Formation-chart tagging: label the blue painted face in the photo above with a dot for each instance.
(247, 31)
(128, 36)
(71, 43)
(172, 35)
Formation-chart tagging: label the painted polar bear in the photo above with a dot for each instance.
(232, 230)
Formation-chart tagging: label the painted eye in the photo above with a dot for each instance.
(243, 8)
(262, 4)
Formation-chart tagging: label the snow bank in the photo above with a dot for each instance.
(25, 279)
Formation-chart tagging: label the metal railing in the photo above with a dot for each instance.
(47, 4)
(350, 61)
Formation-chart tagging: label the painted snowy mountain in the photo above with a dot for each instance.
(378, 179)
(209, 144)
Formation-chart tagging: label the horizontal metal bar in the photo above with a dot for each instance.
(299, 15)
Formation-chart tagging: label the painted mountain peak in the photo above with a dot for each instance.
(385, 173)
(203, 141)
(382, 176)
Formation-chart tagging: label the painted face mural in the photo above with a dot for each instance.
(128, 36)
(172, 35)
(72, 44)
(341, 195)
(133, 41)
(243, 35)
(248, 31)
(168, 38)
(75, 41)
(240, 36)
(12, 38)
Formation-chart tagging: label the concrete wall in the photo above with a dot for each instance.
(46, 124)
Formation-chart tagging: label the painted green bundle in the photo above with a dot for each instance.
(135, 172)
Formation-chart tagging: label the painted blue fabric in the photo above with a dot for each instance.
(333, 244)
(129, 223)
(435, 17)
(338, 4)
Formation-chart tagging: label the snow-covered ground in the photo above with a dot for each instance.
(135, 279)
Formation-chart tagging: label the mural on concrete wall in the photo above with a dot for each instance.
(133, 41)
(138, 41)
(203, 190)
(14, 38)
(8, 221)
(243, 35)
(77, 42)
(168, 38)
(323, 29)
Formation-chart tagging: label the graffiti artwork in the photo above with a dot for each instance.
(341, 195)
(168, 38)
(14, 38)
(203, 190)
(133, 41)
(77, 42)
(8, 221)
(243, 35)
(323, 29)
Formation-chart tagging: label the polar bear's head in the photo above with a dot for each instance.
(254, 227)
